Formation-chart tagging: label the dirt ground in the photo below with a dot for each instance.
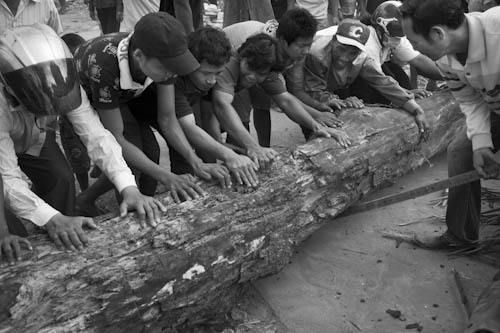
(346, 276)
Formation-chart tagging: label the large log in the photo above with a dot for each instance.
(192, 266)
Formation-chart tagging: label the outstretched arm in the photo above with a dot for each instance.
(231, 122)
(10, 245)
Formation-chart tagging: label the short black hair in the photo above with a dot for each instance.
(427, 13)
(73, 41)
(210, 44)
(262, 53)
(296, 23)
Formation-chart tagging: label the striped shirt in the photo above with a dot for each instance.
(30, 12)
(476, 85)
(133, 10)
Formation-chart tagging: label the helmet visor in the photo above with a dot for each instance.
(47, 86)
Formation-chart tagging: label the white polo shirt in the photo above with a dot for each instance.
(476, 86)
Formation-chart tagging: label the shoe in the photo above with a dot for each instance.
(438, 242)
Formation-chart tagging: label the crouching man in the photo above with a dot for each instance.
(337, 66)
(39, 83)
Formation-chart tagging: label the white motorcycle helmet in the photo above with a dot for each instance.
(38, 70)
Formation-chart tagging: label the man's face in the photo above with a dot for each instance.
(434, 47)
(299, 48)
(249, 77)
(153, 68)
(205, 77)
(343, 55)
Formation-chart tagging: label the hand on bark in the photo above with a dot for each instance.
(92, 15)
(209, 171)
(10, 246)
(147, 208)
(421, 93)
(334, 104)
(217, 171)
(181, 187)
(243, 169)
(328, 119)
(262, 156)
(354, 102)
(486, 163)
(67, 232)
(422, 124)
(341, 137)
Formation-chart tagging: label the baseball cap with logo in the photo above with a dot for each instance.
(161, 36)
(353, 32)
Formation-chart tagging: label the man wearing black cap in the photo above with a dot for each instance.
(335, 62)
(212, 49)
(117, 68)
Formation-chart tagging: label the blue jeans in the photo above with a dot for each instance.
(464, 201)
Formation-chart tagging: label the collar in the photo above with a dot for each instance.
(477, 47)
(126, 81)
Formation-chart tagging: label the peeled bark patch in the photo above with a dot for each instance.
(192, 266)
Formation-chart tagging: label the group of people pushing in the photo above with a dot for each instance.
(113, 89)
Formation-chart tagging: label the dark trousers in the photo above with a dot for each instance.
(140, 135)
(52, 180)
(243, 10)
(75, 150)
(107, 18)
(144, 108)
(196, 11)
(51, 176)
(464, 201)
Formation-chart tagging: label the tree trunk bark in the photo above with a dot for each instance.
(193, 265)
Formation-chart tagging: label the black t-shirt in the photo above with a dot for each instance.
(186, 95)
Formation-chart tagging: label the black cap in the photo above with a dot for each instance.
(161, 36)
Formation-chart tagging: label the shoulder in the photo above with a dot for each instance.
(237, 33)
(103, 47)
(491, 20)
(320, 45)
(232, 69)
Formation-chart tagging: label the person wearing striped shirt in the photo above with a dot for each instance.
(14, 13)
(465, 48)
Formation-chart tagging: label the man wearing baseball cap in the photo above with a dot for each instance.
(114, 70)
(388, 42)
(337, 65)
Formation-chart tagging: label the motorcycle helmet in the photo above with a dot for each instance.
(38, 70)
(386, 19)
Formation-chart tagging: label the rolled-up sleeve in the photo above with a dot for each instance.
(386, 85)
(101, 145)
(18, 196)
